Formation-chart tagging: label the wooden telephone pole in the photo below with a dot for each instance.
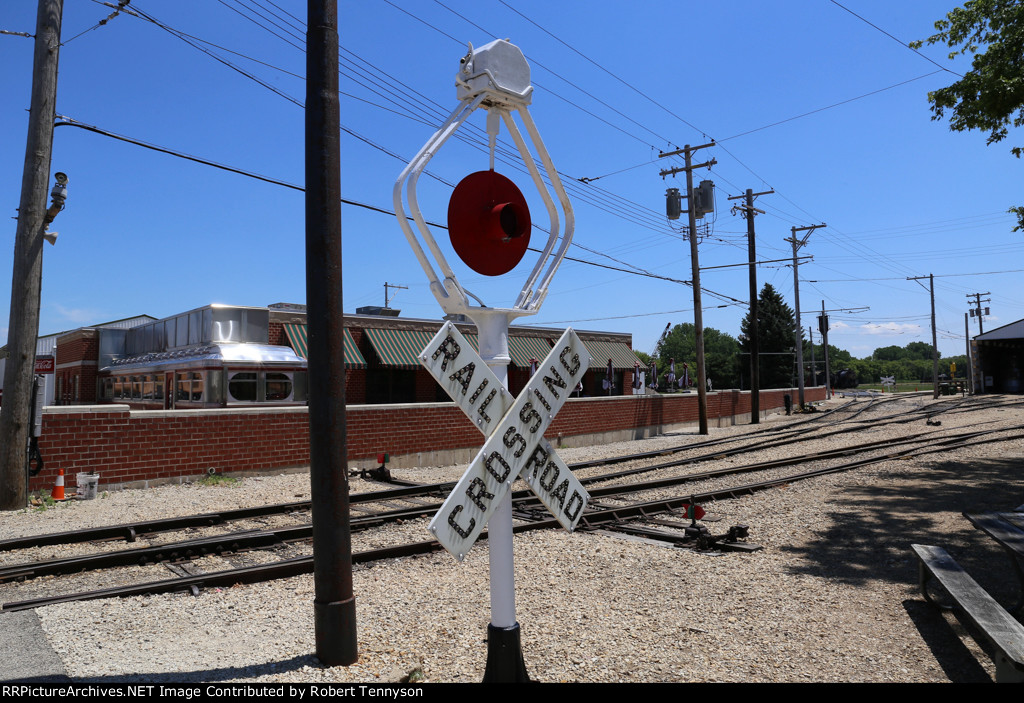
(797, 328)
(935, 348)
(753, 329)
(334, 604)
(698, 317)
(28, 261)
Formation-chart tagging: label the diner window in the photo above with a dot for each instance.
(278, 386)
(197, 387)
(242, 387)
(183, 386)
(189, 386)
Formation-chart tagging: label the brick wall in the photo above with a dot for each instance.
(126, 446)
(276, 335)
(76, 359)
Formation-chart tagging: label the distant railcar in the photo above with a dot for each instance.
(846, 378)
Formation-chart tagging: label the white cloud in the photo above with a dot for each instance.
(77, 315)
(838, 326)
(891, 328)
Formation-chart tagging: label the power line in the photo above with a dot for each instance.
(620, 80)
(829, 107)
(901, 43)
(64, 121)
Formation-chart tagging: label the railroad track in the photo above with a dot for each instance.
(616, 504)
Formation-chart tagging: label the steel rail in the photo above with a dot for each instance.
(132, 531)
(591, 520)
(524, 501)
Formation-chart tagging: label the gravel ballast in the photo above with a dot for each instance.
(832, 597)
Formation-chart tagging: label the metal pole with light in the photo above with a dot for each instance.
(489, 226)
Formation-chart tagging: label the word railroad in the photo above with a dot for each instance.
(514, 428)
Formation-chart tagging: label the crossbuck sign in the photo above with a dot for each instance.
(514, 429)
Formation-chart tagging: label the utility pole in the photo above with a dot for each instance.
(935, 348)
(334, 605)
(823, 328)
(698, 318)
(797, 328)
(26, 281)
(753, 331)
(387, 300)
(976, 310)
(970, 363)
(814, 364)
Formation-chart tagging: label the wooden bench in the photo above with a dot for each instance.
(1005, 528)
(999, 628)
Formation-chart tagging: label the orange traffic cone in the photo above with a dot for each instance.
(58, 488)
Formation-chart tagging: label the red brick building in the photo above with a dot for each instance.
(227, 356)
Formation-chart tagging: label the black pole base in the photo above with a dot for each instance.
(505, 656)
(335, 629)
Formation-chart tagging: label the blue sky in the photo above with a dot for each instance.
(903, 196)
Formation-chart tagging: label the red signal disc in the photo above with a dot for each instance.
(489, 223)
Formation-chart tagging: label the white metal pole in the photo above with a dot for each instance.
(493, 335)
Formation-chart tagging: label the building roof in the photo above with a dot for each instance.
(1013, 330)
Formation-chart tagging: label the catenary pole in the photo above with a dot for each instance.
(753, 328)
(823, 327)
(970, 361)
(797, 328)
(935, 348)
(334, 606)
(26, 281)
(935, 341)
(753, 331)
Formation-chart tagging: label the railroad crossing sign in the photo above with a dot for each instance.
(514, 428)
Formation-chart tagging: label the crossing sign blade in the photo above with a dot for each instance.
(463, 374)
(556, 486)
(511, 447)
(457, 367)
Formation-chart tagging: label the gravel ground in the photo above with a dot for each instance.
(832, 597)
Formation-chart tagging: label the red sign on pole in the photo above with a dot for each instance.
(45, 364)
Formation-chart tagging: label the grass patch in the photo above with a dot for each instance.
(218, 480)
(414, 676)
(42, 503)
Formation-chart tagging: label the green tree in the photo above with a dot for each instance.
(990, 96)
(720, 354)
(921, 350)
(890, 353)
(775, 339)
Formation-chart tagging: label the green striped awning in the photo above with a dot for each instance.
(297, 335)
(522, 349)
(399, 348)
(621, 355)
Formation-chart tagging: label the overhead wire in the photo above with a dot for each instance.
(849, 247)
(898, 41)
(63, 120)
